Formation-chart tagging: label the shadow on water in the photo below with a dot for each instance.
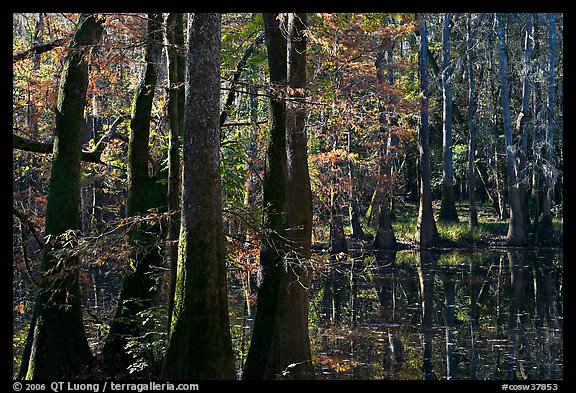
(439, 315)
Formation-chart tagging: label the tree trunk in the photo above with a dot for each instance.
(176, 67)
(523, 118)
(472, 106)
(384, 238)
(448, 211)
(426, 232)
(545, 230)
(142, 281)
(353, 209)
(59, 346)
(536, 137)
(290, 355)
(199, 344)
(516, 228)
(338, 243)
(273, 244)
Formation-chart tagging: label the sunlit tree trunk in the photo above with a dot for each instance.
(426, 232)
(448, 211)
(536, 145)
(385, 237)
(522, 123)
(59, 347)
(545, 229)
(472, 105)
(199, 343)
(516, 227)
(176, 66)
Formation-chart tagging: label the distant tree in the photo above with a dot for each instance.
(199, 344)
(517, 230)
(448, 211)
(426, 232)
(523, 120)
(56, 346)
(385, 238)
(545, 230)
(472, 108)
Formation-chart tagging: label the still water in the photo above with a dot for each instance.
(438, 315)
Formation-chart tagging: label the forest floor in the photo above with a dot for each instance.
(490, 234)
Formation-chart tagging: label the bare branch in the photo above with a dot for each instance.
(23, 218)
(94, 156)
(38, 49)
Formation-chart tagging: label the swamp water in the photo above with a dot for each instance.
(412, 315)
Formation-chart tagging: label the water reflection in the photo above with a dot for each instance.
(432, 315)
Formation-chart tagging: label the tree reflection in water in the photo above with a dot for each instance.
(439, 315)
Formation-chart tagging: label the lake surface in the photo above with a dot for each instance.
(438, 315)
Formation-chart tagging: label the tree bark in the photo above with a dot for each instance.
(273, 245)
(290, 354)
(516, 228)
(59, 346)
(426, 232)
(199, 344)
(545, 230)
(176, 66)
(448, 211)
(353, 209)
(523, 119)
(472, 106)
(385, 237)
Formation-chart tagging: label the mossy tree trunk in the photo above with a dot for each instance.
(176, 66)
(142, 281)
(273, 245)
(59, 347)
(290, 355)
(200, 345)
